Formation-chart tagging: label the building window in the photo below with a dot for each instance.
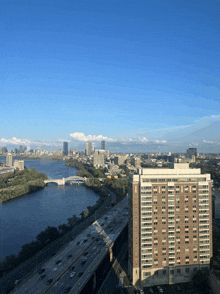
(178, 271)
(187, 270)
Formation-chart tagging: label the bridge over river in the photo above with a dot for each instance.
(63, 181)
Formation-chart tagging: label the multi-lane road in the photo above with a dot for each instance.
(81, 257)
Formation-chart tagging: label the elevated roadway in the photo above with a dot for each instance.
(84, 255)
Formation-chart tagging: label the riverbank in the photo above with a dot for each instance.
(21, 183)
(28, 268)
(51, 234)
(85, 170)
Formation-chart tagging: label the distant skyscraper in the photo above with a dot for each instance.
(103, 145)
(20, 149)
(190, 152)
(4, 150)
(9, 159)
(88, 148)
(65, 148)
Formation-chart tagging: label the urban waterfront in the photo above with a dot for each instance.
(24, 217)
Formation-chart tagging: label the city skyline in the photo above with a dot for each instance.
(134, 75)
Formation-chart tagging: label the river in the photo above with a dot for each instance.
(23, 218)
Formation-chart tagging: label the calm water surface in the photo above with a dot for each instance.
(21, 219)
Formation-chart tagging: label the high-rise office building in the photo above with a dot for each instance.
(9, 159)
(190, 152)
(20, 149)
(65, 148)
(4, 150)
(88, 148)
(170, 225)
(103, 145)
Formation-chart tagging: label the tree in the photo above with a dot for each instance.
(63, 229)
(72, 220)
(50, 233)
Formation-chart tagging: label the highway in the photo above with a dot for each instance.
(28, 268)
(83, 255)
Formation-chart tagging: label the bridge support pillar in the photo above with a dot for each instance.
(111, 253)
(94, 280)
(63, 182)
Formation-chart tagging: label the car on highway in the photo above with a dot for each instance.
(85, 253)
(72, 274)
(69, 256)
(49, 281)
(83, 262)
(58, 261)
(98, 251)
(53, 254)
(77, 243)
(66, 290)
(151, 291)
(41, 271)
(42, 277)
(85, 240)
(17, 282)
(72, 268)
(80, 274)
(88, 235)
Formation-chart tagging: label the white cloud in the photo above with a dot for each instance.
(26, 142)
(83, 138)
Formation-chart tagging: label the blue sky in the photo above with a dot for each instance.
(118, 69)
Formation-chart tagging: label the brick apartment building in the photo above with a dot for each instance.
(170, 225)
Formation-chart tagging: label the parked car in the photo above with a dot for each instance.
(178, 288)
(160, 289)
(80, 274)
(69, 256)
(58, 261)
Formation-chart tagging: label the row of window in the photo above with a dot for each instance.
(174, 180)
